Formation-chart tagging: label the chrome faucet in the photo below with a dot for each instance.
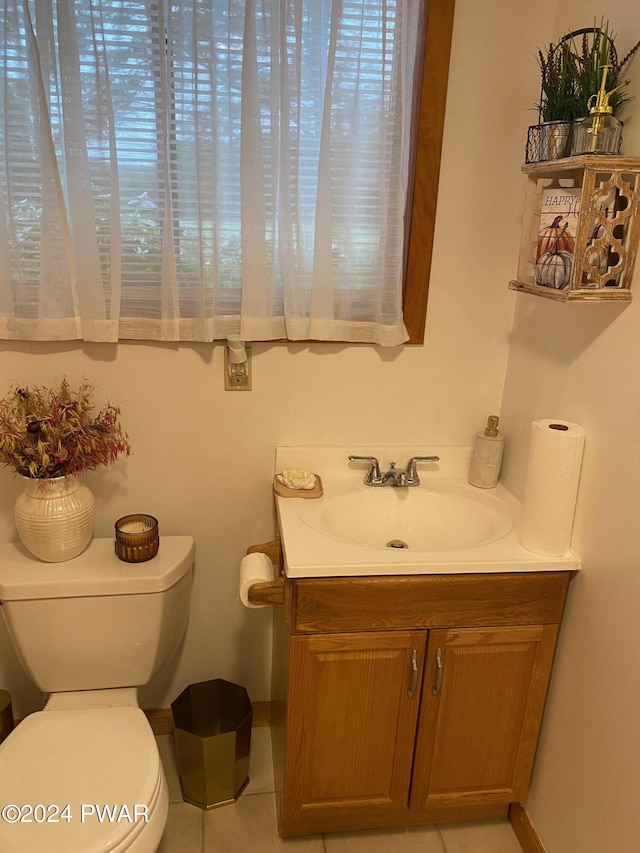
(394, 476)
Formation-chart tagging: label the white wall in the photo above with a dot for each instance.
(580, 363)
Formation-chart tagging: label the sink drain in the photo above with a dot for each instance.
(397, 543)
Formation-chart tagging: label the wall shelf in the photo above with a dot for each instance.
(598, 266)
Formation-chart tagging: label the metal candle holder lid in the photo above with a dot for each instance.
(137, 537)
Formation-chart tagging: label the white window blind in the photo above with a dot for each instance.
(188, 170)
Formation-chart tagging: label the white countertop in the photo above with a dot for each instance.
(310, 553)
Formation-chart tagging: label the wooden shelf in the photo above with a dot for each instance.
(600, 268)
(608, 294)
(598, 162)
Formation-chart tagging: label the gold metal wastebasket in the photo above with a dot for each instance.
(6, 715)
(212, 724)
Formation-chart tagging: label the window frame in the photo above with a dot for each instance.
(428, 150)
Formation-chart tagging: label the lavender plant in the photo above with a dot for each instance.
(571, 72)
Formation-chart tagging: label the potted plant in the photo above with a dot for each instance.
(557, 107)
(598, 130)
(594, 49)
(49, 437)
(571, 72)
(559, 71)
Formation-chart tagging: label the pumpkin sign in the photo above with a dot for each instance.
(553, 270)
(555, 237)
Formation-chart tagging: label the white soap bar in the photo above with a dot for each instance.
(296, 478)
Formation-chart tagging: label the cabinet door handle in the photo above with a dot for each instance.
(439, 673)
(414, 674)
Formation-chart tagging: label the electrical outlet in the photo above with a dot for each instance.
(237, 381)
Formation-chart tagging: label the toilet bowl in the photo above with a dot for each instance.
(84, 775)
(82, 781)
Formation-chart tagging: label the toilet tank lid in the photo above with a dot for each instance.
(97, 571)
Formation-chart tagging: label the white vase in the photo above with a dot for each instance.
(55, 518)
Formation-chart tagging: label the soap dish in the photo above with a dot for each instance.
(285, 492)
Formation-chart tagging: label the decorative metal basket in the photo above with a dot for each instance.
(549, 141)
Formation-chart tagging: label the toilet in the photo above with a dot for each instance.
(84, 775)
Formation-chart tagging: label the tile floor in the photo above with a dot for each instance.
(250, 826)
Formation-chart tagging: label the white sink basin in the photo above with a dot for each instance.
(447, 525)
(442, 517)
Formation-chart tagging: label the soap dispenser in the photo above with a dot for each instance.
(486, 456)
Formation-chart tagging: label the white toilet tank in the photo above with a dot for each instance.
(96, 622)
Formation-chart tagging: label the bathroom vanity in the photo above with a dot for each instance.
(414, 699)
(414, 683)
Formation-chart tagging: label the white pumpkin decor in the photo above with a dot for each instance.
(553, 269)
(555, 238)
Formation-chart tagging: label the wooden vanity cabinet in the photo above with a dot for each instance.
(478, 733)
(414, 699)
(352, 741)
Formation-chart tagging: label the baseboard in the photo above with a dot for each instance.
(161, 719)
(261, 714)
(523, 828)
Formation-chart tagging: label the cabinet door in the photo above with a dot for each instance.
(482, 706)
(351, 722)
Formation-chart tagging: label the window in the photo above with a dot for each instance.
(187, 170)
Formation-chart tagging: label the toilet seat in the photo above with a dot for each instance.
(102, 763)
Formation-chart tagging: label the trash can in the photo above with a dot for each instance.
(6, 715)
(212, 725)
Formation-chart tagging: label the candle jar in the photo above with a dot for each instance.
(137, 538)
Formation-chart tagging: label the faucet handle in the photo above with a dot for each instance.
(374, 467)
(412, 472)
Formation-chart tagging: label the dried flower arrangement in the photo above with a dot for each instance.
(47, 433)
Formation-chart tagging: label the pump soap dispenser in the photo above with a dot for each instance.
(486, 456)
(600, 131)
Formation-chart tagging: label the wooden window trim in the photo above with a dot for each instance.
(430, 126)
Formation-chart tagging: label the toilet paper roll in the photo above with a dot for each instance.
(254, 568)
(553, 474)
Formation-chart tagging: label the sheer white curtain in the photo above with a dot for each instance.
(187, 170)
